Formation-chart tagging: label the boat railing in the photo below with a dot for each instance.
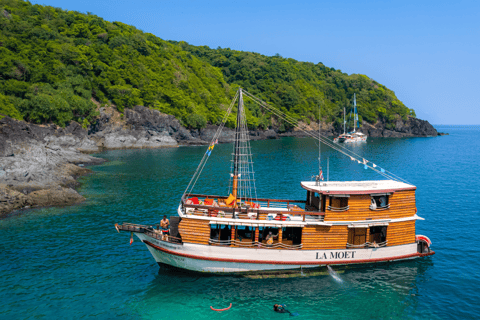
(335, 209)
(261, 213)
(264, 202)
(148, 230)
(367, 245)
(255, 244)
(380, 208)
(249, 213)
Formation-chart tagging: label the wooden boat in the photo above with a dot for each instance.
(354, 136)
(337, 223)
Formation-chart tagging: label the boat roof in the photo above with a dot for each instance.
(356, 187)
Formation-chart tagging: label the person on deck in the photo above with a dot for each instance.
(165, 225)
(269, 239)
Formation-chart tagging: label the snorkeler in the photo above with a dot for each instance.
(280, 308)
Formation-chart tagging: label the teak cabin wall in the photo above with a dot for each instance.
(401, 233)
(323, 237)
(402, 204)
(194, 230)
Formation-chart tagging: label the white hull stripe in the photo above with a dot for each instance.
(197, 257)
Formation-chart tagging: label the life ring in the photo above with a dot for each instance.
(224, 309)
(425, 239)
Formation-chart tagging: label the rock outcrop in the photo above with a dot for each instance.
(141, 128)
(39, 164)
(412, 127)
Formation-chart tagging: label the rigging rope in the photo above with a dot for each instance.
(245, 165)
(349, 153)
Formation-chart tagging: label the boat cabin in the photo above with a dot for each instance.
(335, 215)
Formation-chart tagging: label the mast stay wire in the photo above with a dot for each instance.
(322, 138)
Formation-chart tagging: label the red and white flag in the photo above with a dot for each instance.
(321, 175)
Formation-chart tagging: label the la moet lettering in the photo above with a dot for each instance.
(335, 255)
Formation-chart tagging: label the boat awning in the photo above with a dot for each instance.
(368, 225)
(266, 223)
(378, 224)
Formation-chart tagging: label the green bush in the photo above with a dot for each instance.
(8, 109)
(195, 121)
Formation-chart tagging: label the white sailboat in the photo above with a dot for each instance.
(354, 136)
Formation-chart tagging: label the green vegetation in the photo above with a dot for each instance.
(298, 88)
(8, 109)
(55, 63)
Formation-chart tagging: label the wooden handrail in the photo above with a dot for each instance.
(256, 199)
(335, 209)
(147, 230)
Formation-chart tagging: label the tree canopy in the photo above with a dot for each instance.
(299, 88)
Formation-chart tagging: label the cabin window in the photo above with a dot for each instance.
(338, 203)
(292, 235)
(379, 202)
(220, 233)
(315, 202)
(378, 234)
(245, 234)
(357, 236)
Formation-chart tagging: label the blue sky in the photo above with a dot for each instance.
(427, 52)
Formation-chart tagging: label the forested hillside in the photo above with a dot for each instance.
(53, 62)
(300, 87)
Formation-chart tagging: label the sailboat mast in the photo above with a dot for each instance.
(344, 122)
(319, 145)
(354, 112)
(236, 161)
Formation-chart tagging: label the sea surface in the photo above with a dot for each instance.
(70, 263)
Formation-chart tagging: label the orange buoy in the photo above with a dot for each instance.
(225, 309)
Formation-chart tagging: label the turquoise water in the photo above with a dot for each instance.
(66, 263)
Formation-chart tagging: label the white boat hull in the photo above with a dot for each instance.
(354, 140)
(217, 259)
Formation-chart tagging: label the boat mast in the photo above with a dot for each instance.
(236, 161)
(354, 113)
(344, 122)
(319, 147)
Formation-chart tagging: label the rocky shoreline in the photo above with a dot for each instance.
(39, 164)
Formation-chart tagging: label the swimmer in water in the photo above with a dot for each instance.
(279, 308)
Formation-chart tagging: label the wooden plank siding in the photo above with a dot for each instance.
(323, 237)
(402, 204)
(401, 233)
(194, 230)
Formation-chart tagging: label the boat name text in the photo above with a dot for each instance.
(336, 255)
